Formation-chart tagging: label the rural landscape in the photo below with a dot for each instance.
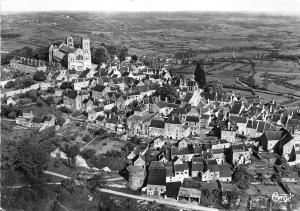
(150, 111)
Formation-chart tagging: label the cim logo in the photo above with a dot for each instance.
(276, 197)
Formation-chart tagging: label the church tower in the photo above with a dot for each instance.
(85, 45)
(70, 42)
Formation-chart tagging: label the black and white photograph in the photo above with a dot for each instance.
(150, 105)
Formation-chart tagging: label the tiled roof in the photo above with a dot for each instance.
(156, 164)
(273, 135)
(174, 120)
(225, 171)
(237, 119)
(98, 88)
(181, 167)
(172, 189)
(197, 166)
(157, 176)
(252, 124)
(236, 108)
(157, 123)
(192, 118)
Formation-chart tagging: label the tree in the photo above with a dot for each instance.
(64, 62)
(60, 121)
(123, 53)
(134, 58)
(167, 92)
(41, 54)
(39, 76)
(66, 85)
(9, 84)
(31, 158)
(100, 55)
(88, 153)
(95, 182)
(199, 74)
(71, 152)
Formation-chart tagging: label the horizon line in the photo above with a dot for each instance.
(283, 13)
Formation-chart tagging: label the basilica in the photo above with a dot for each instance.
(78, 58)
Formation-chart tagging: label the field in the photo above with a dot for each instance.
(156, 33)
(103, 145)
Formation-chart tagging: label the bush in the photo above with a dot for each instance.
(69, 185)
(56, 164)
(104, 143)
(39, 76)
(88, 153)
(10, 84)
(86, 138)
(65, 110)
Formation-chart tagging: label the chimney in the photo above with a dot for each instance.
(228, 125)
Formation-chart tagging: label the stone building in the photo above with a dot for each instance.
(27, 65)
(78, 59)
(137, 176)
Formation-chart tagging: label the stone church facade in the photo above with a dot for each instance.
(78, 59)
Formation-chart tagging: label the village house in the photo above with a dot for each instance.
(194, 123)
(101, 120)
(94, 113)
(225, 173)
(139, 160)
(197, 169)
(251, 128)
(236, 109)
(181, 171)
(158, 142)
(190, 191)
(240, 122)
(170, 175)
(174, 129)
(220, 144)
(269, 139)
(156, 183)
(156, 127)
(210, 173)
(184, 154)
(219, 155)
(239, 154)
(43, 121)
(205, 120)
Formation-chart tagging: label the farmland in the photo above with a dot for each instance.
(157, 33)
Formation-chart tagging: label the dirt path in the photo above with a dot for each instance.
(56, 174)
(160, 201)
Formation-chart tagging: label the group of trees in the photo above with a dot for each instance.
(10, 111)
(199, 74)
(38, 53)
(167, 92)
(19, 83)
(107, 52)
(39, 76)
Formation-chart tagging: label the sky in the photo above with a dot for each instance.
(268, 6)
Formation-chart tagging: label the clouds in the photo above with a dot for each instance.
(153, 5)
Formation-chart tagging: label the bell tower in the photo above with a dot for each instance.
(70, 42)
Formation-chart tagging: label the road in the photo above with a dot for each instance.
(56, 174)
(160, 201)
(20, 186)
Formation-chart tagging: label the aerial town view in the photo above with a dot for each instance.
(150, 105)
